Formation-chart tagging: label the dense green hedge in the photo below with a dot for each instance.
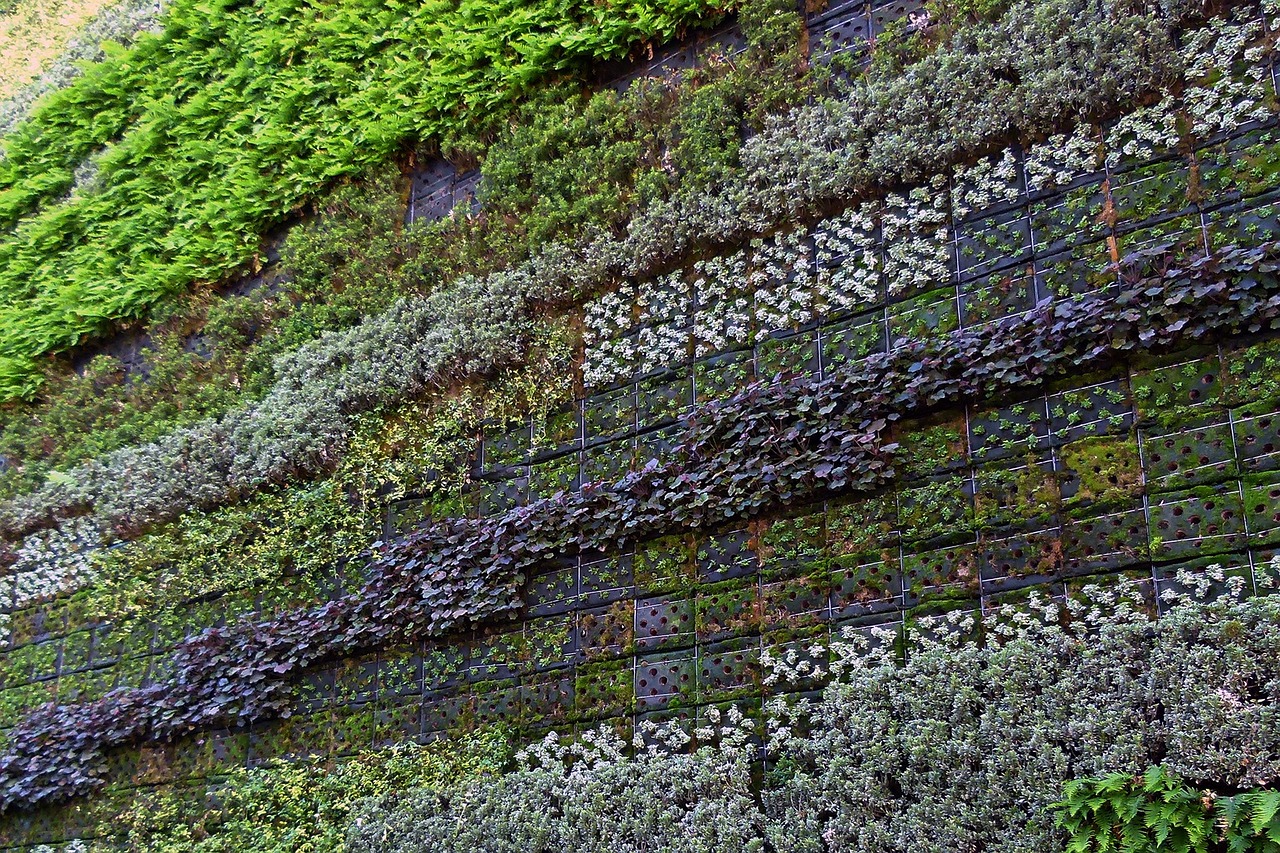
(162, 165)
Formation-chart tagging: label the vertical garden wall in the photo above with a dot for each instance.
(857, 428)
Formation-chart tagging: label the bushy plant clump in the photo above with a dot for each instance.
(1160, 810)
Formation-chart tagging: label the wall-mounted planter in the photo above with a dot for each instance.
(1146, 194)
(843, 28)
(1173, 393)
(1235, 570)
(608, 631)
(607, 579)
(1105, 408)
(497, 701)
(787, 354)
(497, 655)
(1109, 541)
(866, 584)
(1009, 432)
(549, 642)
(665, 564)
(995, 243)
(1085, 269)
(1069, 219)
(502, 448)
(796, 602)
(399, 675)
(663, 398)
(1262, 509)
(555, 475)
(1182, 234)
(1246, 166)
(852, 340)
(553, 591)
(1193, 455)
(132, 671)
(1208, 520)
(353, 729)
(1023, 496)
(75, 651)
(1257, 441)
(664, 622)
(217, 752)
(502, 494)
(546, 699)
(721, 376)
(727, 610)
(609, 414)
(1020, 561)
(446, 712)
(930, 447)
(444, 666)
(728, 669)
(658, 445)
(990, 297)
(357, 680)
(792, 546)
(560, 432)
(992, 186)
(1100, 471)
(723, 323)
(937, 512)
(724, 556)
(1247, 223)
(665, 680)
(397, 723)
(806, 656)
(883, 14)
(958, 622)
(925, 317)
(603, 689)
(862, 525)
(1251, 375)
(609, 461)
(950, 572)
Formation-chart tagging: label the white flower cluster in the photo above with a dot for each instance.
(1193, 588)
(729, 729)
(723, 318)
(608, 354)
(793, 665)
(1144, 134)
(51, 562)
(917, 239)
(1061, 159)
(665, 316)
(781, 279)
(986, 184)
(1227, 100)
(848, 259)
